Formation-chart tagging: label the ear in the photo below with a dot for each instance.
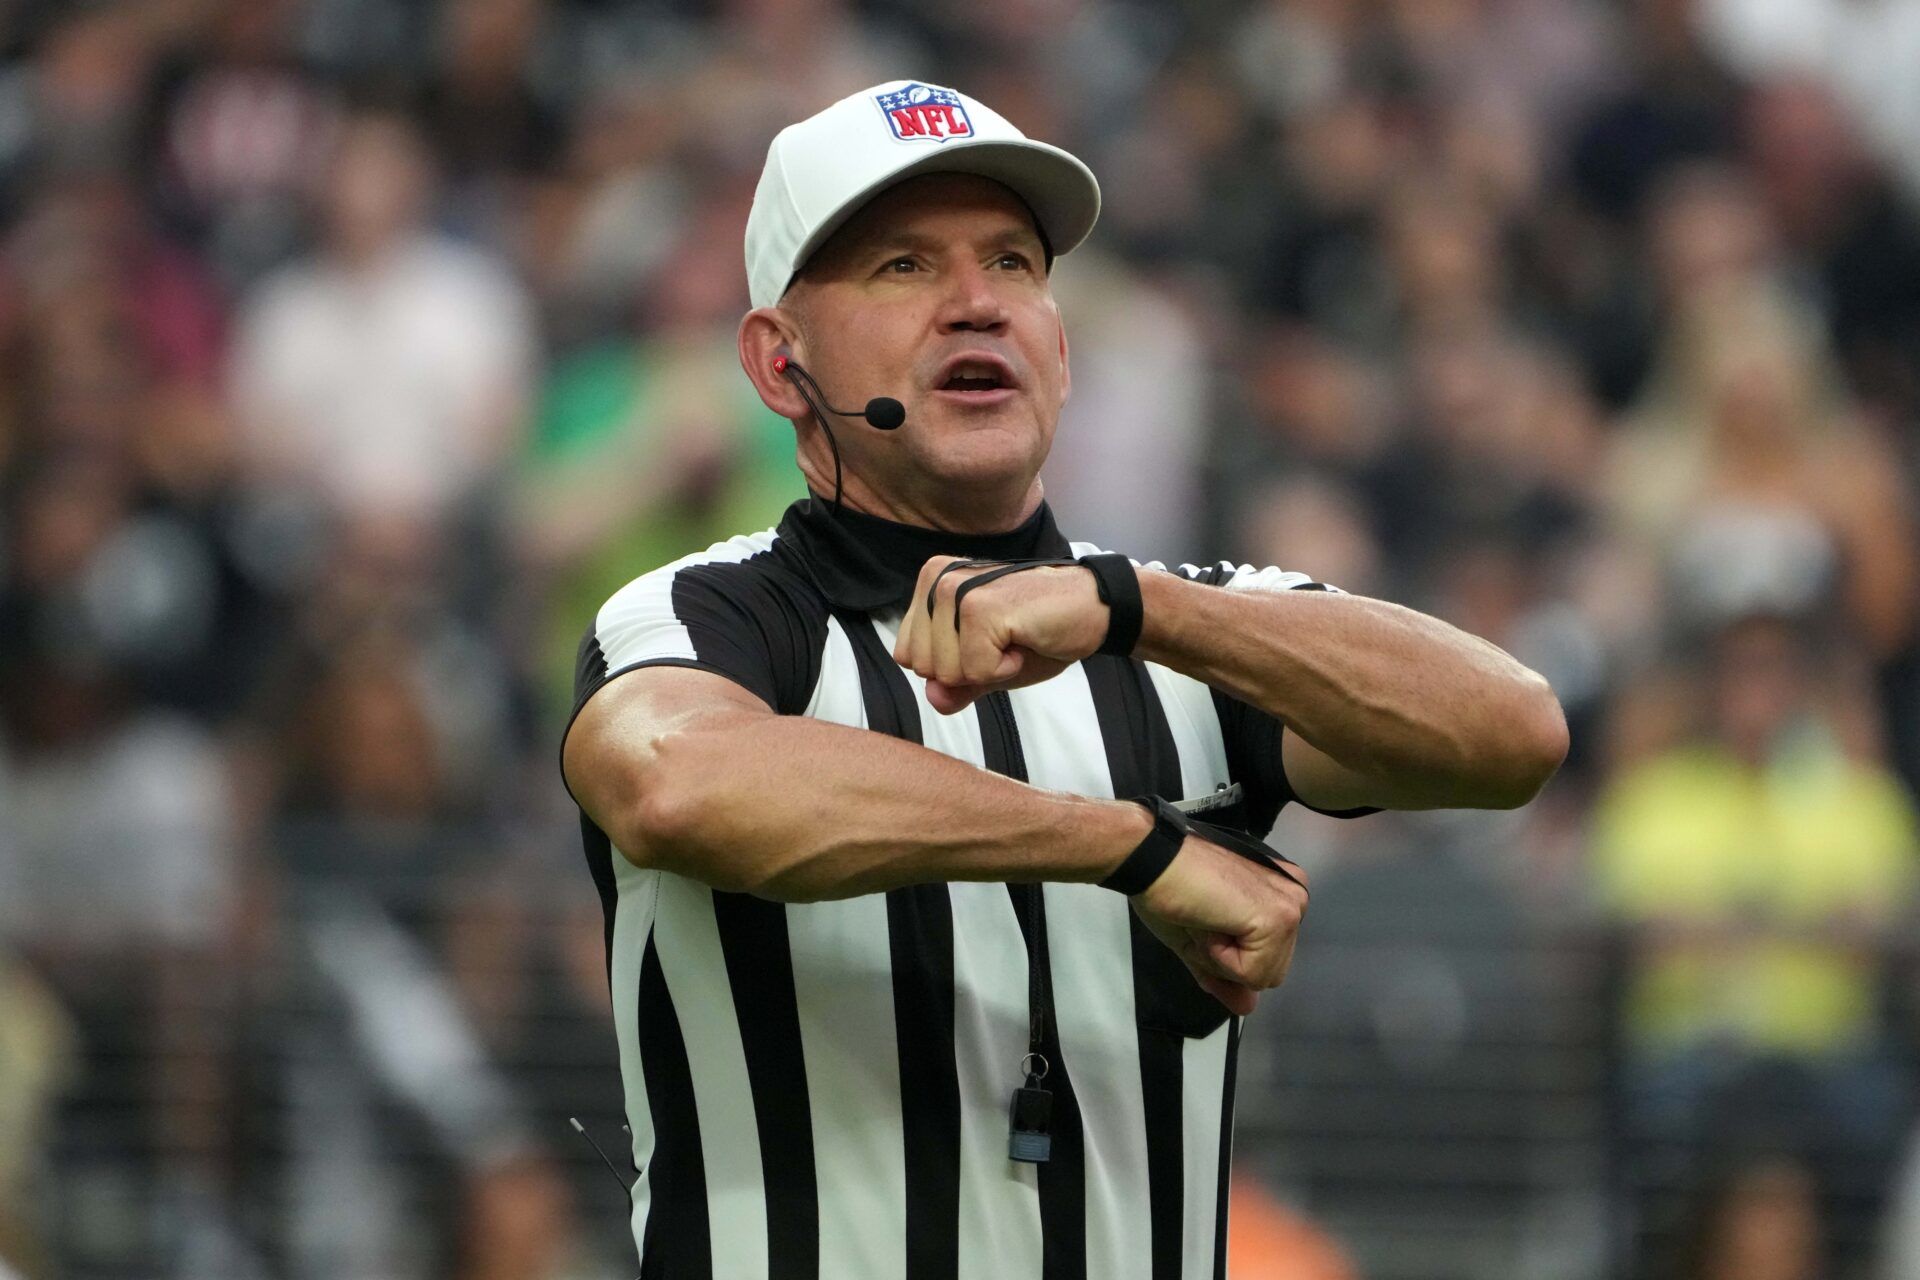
(767, 332)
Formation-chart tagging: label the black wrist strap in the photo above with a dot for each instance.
(1151, 856)
(995, 569)
(1114, 577)
(1248, 846)
(1119, 586)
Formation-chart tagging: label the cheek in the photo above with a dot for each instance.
(879, 355)
(845, 340)
(1045, 353)
(1051, 376)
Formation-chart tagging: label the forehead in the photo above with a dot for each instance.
(958, 207)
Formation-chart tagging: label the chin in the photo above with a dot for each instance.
(985, 455)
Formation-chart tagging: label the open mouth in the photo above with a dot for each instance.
(973, 377)
(977, 378)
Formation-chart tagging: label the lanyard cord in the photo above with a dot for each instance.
(1036, 988)
(1028, 897)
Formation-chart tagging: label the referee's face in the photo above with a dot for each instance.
(936, 293)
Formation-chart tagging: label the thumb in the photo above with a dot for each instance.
(1225, 952)
(1012, 661)
(950, 699)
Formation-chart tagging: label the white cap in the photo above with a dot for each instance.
(821, 170)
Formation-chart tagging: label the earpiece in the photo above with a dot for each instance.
(884, 413)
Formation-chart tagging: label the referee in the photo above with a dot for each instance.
(902, 989)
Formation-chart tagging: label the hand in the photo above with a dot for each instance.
(1231, 922)
(1016, 630)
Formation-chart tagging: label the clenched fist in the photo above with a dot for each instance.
(1231, 921)
(1017, 630)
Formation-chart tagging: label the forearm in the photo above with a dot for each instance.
(1381, 689)
(798, 810)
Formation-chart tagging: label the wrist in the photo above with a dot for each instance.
(1122, 826)
(1159, 610)
(1117, 583)
(1149, 859)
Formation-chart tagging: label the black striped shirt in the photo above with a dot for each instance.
(820, 1090)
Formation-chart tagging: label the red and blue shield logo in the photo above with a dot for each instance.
(924, 113)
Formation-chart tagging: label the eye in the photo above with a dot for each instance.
(1013, 261)
(899, 266)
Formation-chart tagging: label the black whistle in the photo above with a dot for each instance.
(1030, 1139)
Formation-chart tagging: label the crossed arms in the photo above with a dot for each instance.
(688, 772)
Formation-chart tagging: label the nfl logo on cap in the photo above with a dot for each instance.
(821, 170)
(924, 113)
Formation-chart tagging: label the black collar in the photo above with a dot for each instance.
(868, 564)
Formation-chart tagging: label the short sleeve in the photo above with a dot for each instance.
(1245, 577)
(1254, 738)
(742, 618)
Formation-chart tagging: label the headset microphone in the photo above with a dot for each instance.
(882, 412)
(885, 413)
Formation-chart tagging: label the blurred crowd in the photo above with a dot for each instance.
(352, 351)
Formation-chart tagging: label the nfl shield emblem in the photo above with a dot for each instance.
(924, 113)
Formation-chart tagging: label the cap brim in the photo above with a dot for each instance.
(1061, 191)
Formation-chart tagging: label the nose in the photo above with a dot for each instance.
(971, 304)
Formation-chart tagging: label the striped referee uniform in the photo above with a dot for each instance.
(819, 1091)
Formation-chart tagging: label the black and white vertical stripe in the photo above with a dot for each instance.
(820, 1090)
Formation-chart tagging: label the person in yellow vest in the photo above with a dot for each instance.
(1757, 871)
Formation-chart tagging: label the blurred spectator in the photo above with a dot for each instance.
(1862, 48)
(1499, 446)
(1590, 325)
(389, 374)
(604, 225)
(376, 825)
(1745, 422)
(37, 1048)
(1125, 466)
(1759, 869)
(1446, 274)
(94, 290)
(1746, 414)
(486, 122)
(244, 128)
(74, 103)
(1676, 107)
(1316, 403)
(1843, 223)
(644, 450)
(118, 827)
(1309, 520)
(131, 538)
(118, 871)
(1321, 261)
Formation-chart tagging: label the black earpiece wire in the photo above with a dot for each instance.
(803, 383)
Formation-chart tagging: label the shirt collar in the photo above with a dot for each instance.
(868, 564)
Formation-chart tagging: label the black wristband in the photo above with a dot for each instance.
(1150, 857)
(1119, 587)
